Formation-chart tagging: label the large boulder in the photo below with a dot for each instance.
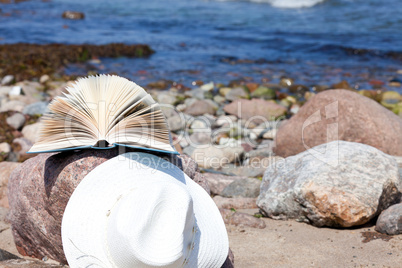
(340, 115)
(40, 188)
(339, 184)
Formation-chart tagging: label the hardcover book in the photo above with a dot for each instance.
(102, 112)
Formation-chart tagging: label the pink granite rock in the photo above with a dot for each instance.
(39, 190)
(5, 170)
(340, 115)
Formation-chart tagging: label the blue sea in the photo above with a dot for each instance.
(312, 41)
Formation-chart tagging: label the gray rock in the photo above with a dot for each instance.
(236, 93)
(201, 107)
(235, 203)
(16, 121)
(390, 220)
(5, 255)
(247, 187)
(200, 137)
(340, 184)
(7, 80)
(244, 170)
(218, 182)
(176, 123)
(36, 108)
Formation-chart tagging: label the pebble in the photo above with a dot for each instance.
(7, 80)
(44, 78)
(208, 87)
(16, 91)
(13, 105)
(31, 132)
(5, 148)
(16, 121)
(73, 15)
(36, 108)
(236, 93)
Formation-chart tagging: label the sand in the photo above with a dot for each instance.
(292, 244)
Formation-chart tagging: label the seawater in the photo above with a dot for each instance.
(313, 41)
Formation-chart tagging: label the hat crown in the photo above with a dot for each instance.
(151, 226)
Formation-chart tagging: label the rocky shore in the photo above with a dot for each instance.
(249, 141)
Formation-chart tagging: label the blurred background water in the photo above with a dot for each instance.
(313, 41)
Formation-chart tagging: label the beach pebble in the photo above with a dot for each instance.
(390, 220)
(201, 107)
(31, 132)
(7, 80)
(16, 121)
(166, 98)
(13, 105)
(338, 184)
(73, 15)
(36, 108)
(235, 203)
(208, 87)
(264, 93)
(20, 147)
(5, 148)
(16, 91)
(213, 157)
(218, 182)
(255, 110)
(340, 115)
(248, 187)
(200, 137)
(224, 90)
(341, 85)
(5, 170)
(236, 93)
(241, 219)
(286, 81)
(44, 79)
(176, 123)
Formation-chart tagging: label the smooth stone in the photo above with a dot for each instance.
(208, 87)
(218, 182)
(16, 91)
(16, 121)
(340, 115)
(7, 80)
(166, 98)
(224, 90)
(286, 82)
(338, 184)
(201, 107)
(235, 203)
(236, 93)
(390, 220)
(5, 148)
(44, 78)
(176, 123)
(36, 108)
(31, 132)
(270, 134)
(200, 124)
(225, 120)
(20, 147)
(213, 157)
(12, 105)
(241, 219)
(248, 187)
(219, 99)
(255, 110)
(5, 171)
(264, 92)
(200, 138)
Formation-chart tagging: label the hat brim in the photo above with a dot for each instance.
(85, 217)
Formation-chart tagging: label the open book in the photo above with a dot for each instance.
(102, 112)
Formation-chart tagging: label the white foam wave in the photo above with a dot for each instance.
(290, 3)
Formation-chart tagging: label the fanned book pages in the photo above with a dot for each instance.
(102, 112)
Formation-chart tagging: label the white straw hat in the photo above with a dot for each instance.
(138, 210)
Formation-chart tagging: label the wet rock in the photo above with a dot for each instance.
(341, 85)
(286, 82)
(36, 108)
(236, 93)
(264, 93)
(218, 182)
(390, 220)
(340, 115)
(338, 184)
(31, 132)
(235, 203)
(16, 121)
(201, 107)
(241, 219)
(214, 157)
(73, 15)
(247, 187)
(39, 190)
(255, 110)
(5, 171)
